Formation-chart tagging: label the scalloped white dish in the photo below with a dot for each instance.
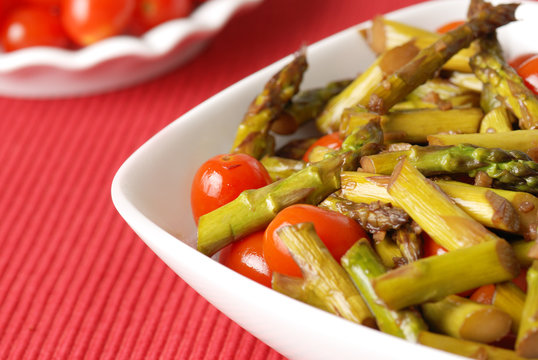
(151, 191)
(117, 62)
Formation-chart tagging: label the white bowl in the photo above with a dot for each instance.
(114, 63)
(152, 192)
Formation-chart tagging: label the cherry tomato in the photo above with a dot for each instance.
(516, 63)
(338, 233)
(31, 25)
(521, 280)
(222, 178)
(449, 26)
(43, 2)
(245, 256)
(430, 247)
(484, 294)
(88, 21)
(332, 141)
(528, 70)
(149, 13)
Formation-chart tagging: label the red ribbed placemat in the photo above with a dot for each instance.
(75, 281)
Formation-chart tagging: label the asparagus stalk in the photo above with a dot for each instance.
(388, 252)
(253, 132)
(281, 168)
(445, 222)
(510, 299)
(299, 289)
(510, 169)
(516, 213)
(361, 87)
(435, 277)
(521, 249)
(328, 279)
(430, 59)
(527, 339)
(490, 68)
(496, 121)
(409, 242)
(520, 140)
(466, 348)
(460, 101)
(465, 319)
(386, 34)
(511, 211)
(305, 106)
(437, 87)
(362, 264)
(252, 210)
(415, 125)
(373, 217)
(468, 81)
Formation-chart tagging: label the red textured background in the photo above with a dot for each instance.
(75, 281)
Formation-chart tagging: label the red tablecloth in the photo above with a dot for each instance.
(75, 281)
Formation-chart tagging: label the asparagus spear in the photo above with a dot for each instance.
(253, 132)
(435, 277)
(465, 319)
(299, 289)
(281, 168)
(466, 348)
(510, 299)
(362, 264)
(521, 249)
(467, 81)
(515, 212)
(527, 339)
(510, 169)
(305, 106)
(520, 140)
(445, 222)
(373, 217)
(414, 126)
(496, 121)
(386, 34)
(252, 210)
(389, 252)
(490, 68)
(430, 59)
(409, 242)
(328, 279)
(361, 87)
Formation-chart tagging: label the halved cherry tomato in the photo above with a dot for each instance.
(31, 25)
(484, 294)
(449, 26)
(88, 21)
(528, 70)
(332, 141)
(245, 256)
(222, 178)
(338, 233)
(150, 13)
